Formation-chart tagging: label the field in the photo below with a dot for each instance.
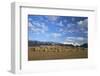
(46, 52)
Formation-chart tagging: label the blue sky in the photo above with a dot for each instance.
(63, 29)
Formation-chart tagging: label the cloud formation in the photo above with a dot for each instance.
(56, 35)
(60, 24)
(37, 27)
(83, 22)
(52, 18)
(64, 29)
(75, 40)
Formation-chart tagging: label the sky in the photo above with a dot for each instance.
(62, 29)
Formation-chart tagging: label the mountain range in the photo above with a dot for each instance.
(38, 43)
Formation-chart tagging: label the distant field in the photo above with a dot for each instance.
(56, 52)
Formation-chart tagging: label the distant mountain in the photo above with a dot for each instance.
(84, 45)
(38, 43)
(35, 43)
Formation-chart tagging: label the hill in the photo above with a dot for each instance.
(84, 45)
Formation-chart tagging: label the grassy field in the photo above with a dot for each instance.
(56, 52)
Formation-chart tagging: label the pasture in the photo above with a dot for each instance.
(47, 52)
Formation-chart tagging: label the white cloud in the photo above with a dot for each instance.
(83, 26)
(70, 25)
(44, 28)
(36, 23)
(60, 24)
(60, 30)
(37, 27)
(29, 19)
(56, 35)
(68, 42)
(80, 22)
(36, 30)
(30, 24)
(83, 23)
(70, 28)
(75, 40)
(52, 18)
(80, 38)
